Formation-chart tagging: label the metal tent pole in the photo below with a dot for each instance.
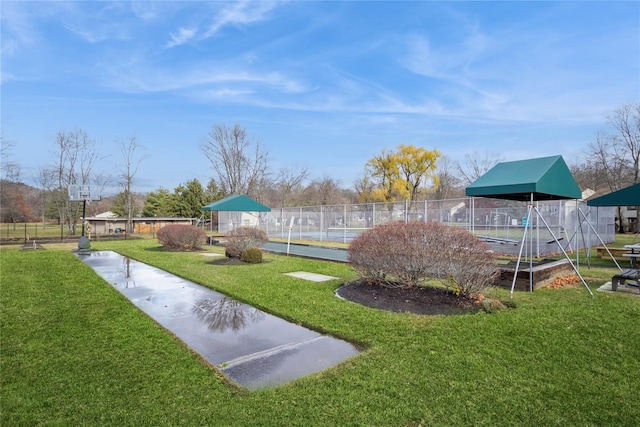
(524, 236)
(529, 226)
(599, 238)
(564, 252)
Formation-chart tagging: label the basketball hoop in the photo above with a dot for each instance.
(82, 193)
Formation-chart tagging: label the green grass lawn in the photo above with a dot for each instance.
(74, 351)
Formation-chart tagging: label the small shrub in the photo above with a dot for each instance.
(510, 303)
(410, 254)
(252, 255)
(181, 237)
(492, 305)
(242, 238)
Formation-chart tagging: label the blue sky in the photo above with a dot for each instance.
(327, 85)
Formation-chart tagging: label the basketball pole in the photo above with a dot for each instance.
(84, 210)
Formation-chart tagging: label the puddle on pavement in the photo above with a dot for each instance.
(252, 348)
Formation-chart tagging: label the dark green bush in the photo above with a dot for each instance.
(252, 255)
(181, 237)
(242, 238)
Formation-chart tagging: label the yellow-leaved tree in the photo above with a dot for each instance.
(399, 175)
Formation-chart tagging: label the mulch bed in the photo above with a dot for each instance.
(423, 300)
(233, 261)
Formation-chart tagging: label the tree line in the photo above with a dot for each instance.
(240, 163)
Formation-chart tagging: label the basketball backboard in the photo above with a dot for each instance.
(80, 193)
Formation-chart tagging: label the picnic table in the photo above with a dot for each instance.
(628, 277)
(633, 255)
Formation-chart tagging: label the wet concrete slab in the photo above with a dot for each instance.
(252, 348)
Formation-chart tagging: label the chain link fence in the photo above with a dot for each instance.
(500, 223)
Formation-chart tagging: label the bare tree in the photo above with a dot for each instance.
(324, 191)
(74, 158)
(10, 169)
(476, 164)
(288, 180)
(586, 173)
(99, 182)
(613, 158)
(626, 122)
(449, 185)
(127, 172)
(607, 162)
(364, 186)
(240, 163)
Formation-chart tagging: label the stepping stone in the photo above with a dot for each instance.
(313, 277)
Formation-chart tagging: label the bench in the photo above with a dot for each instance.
(624, 275)
(616, 252)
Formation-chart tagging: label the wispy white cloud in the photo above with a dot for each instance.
(19, 29)
(99, 32)
(227, 94)
(240, 13)
(148, 10)
(235, 14)
(136, 76)
(183, 36)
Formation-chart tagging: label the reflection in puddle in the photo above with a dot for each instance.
(126, 267)
(252, 348)
(226, 313)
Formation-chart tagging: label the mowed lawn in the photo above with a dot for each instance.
(73, 351)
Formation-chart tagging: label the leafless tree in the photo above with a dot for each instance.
(99, 182)
(324, 191)
(477, 164)
(626, 123)
(240, 163)
(126, 174)
(613, 158)
(10, 169)
(449, 185)
(586, 174)
(364, 187)
(606, 161)
(288, 180)
(74, 158)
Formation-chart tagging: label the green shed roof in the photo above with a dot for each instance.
(544, 178)
(629, 196)
(237, 203)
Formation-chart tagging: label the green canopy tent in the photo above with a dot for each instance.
(544, 178)
(235, 203)
(628, 196)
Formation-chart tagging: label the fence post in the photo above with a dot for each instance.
(426, 211)
(321, 222)
(406, 209)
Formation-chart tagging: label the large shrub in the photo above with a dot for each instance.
(181, 237)
(242, 238)
(410, 254)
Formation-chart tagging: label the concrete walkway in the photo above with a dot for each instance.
(252, 348)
